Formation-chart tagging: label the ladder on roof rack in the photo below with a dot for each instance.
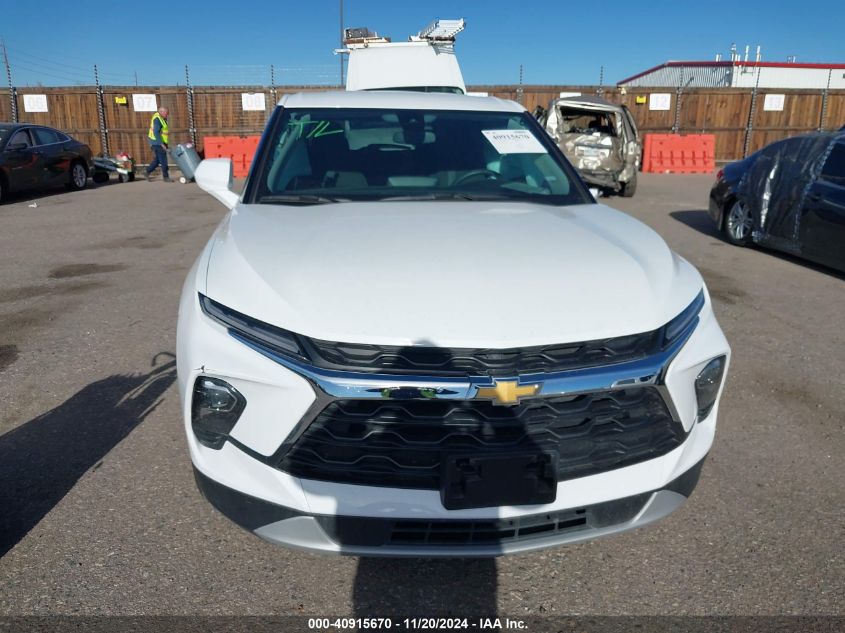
(438, 32)
(442, 30)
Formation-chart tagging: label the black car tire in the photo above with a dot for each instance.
(77, 179)
(2, 189)
(629, 188)
(737, 223)
(100, 177)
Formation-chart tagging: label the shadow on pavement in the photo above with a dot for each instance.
(699, 220)
(415, 587)
(42, 459)
(52, 193)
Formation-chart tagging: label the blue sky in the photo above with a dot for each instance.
(57, 43)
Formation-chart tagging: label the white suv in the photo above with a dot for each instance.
(416, 333)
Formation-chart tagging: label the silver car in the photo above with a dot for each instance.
(599, 138)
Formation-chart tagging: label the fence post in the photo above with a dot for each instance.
(101, 114)
(823, 115)
(13, 99)
(749, 128)
(190, 96)
(13, 93)
(676, 125)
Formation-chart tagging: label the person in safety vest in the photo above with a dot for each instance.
(158, 137)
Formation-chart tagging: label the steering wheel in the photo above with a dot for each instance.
(487, 174)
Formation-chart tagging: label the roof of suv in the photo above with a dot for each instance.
(397, 99)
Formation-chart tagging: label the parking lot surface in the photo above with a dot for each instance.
(99, 513)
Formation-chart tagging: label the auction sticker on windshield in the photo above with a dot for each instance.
(514, 141)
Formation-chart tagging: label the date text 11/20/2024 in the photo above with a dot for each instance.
(417, 624)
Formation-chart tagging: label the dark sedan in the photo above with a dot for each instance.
(39, 157)
(789, 196)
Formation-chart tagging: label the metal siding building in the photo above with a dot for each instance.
(687, 76)
(739, 74)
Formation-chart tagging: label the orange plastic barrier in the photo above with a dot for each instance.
(240, 149)
(679, 153)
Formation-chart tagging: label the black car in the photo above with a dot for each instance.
(789, 196)
(36, 157)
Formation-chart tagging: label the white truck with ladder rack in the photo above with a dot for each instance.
(426, 62)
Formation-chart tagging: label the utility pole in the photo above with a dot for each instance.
(600, 91)
(13, 102)
(340, 56)
(136, 78)
(272, 87)
(519, 90)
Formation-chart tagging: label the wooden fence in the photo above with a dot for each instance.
(736, 116)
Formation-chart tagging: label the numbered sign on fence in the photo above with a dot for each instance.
(35, 103)
(659, 101)
(774, 102)
(144, 103)
(253, 101)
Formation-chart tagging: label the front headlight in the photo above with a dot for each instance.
(707, 385)
(215, 408)
(264, 334)
(677, 326)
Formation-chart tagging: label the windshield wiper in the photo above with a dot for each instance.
(304, 199)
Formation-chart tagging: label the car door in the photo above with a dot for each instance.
(823, 230)
(21, 160)
(633, 147)
(53, 164)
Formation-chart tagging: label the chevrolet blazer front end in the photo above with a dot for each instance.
(407, 355)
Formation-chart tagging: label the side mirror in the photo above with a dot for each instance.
(214, 175)
(595, 192)
(16, 147)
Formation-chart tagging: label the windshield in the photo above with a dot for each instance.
(316, 156)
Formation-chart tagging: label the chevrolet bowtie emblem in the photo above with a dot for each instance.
(507, 392)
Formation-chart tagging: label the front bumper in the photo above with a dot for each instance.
(602, 178)
(370, 536)
(306, 512)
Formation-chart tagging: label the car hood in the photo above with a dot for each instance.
(456, 274)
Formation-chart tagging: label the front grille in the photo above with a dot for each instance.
(441, 361)
(401, 444)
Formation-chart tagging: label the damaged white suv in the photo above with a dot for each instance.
(416, 333)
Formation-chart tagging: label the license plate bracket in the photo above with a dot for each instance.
(480, 481)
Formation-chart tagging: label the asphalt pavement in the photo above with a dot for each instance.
(99, 513)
